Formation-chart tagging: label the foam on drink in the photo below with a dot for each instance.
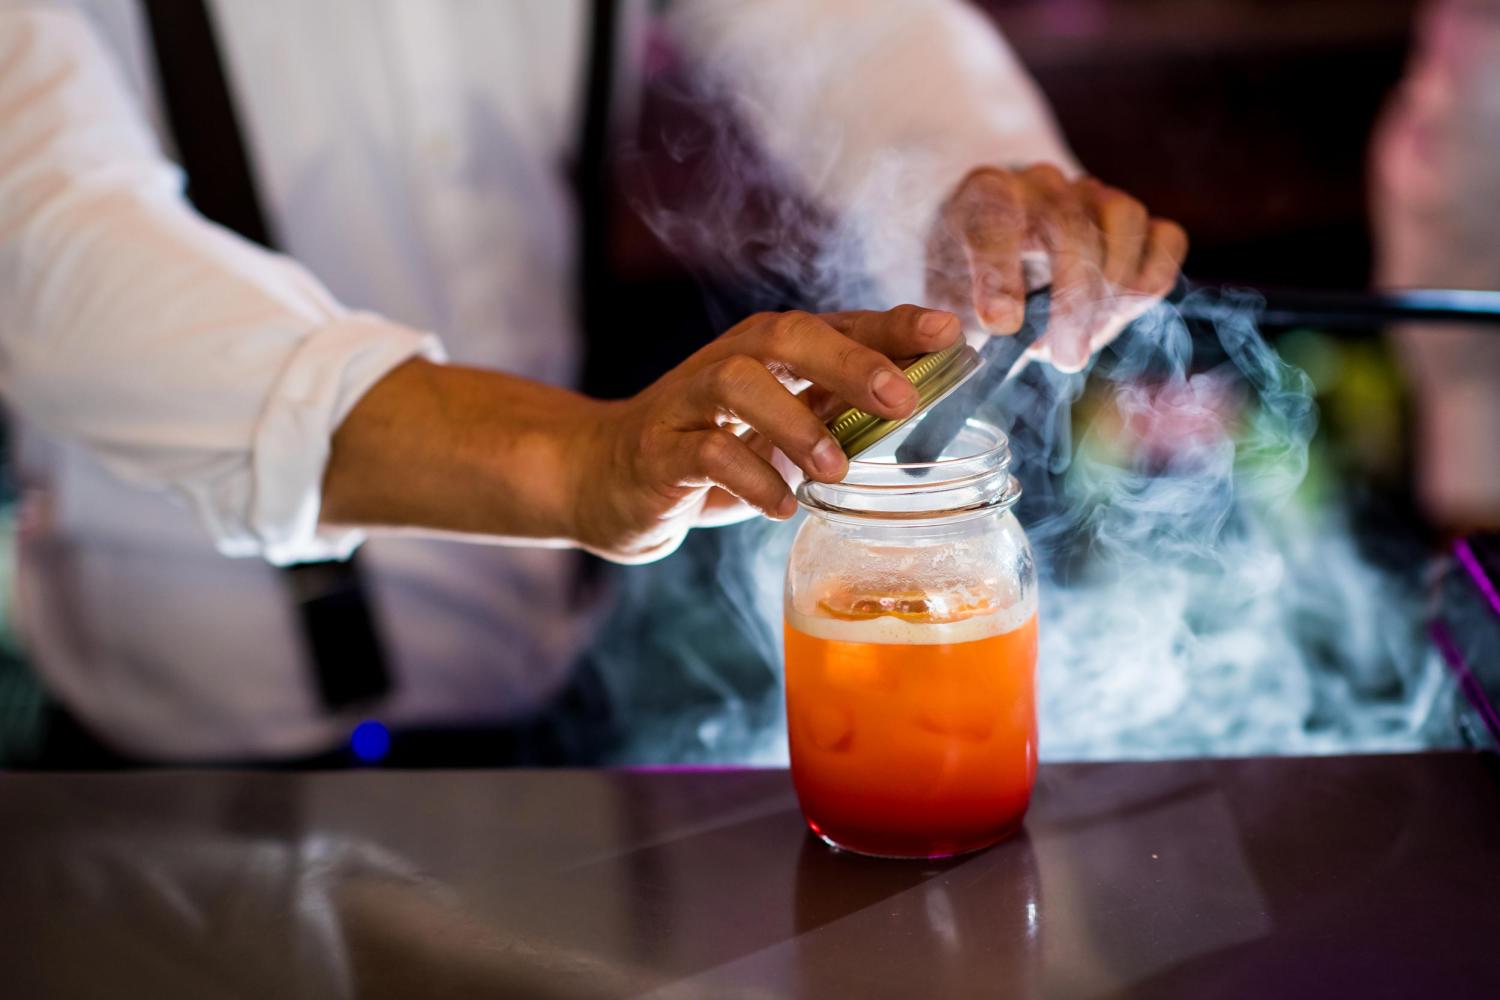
(913, 629)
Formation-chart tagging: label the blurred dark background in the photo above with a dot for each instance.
(1248, 121)
(1245, 120)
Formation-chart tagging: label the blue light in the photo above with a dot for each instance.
(370, 741)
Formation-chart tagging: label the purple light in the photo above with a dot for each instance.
(1472, 690)
(1470, 562)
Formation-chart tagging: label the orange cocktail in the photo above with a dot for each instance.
(913, 732)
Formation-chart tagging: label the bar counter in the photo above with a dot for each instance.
(1283, 877)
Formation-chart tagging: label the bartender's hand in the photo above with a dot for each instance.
(1108, 259)
(444, 448)
(696, 447)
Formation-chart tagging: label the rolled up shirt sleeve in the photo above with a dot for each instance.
(878, 107)
(183, 357)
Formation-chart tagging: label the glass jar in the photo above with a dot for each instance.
(911, 638)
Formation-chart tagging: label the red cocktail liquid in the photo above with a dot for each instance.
(912, 735)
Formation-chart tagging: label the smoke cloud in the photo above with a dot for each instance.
(1192, 603)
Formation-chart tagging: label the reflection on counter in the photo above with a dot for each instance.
(1168, 879)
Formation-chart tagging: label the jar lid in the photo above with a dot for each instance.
(933, 375)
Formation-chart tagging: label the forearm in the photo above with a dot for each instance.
(444, 448)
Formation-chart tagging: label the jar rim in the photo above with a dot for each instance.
(970, 483)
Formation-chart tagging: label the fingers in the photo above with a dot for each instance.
(742, 377)
(989, 219)
(1123, 223)
(742, 386)
(813, 350)
(721, 508)
(1109, 260)
(1166, 249)
(1065, 225)
(718, 458)
(902, 332)
(947, 279)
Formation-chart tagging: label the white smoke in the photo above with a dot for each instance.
(1191, 605)
(1194, 606)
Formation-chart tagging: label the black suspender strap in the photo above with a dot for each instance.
(338, 623)
(592, 179)
(210, 142)
(593, 189)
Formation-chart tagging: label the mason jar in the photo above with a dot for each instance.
(911, 644)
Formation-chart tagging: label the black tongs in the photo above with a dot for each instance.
(1269, 307)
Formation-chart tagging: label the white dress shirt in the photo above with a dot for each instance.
(174, 388)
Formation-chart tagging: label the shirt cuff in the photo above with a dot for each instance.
(331, 370)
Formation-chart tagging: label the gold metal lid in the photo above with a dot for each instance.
(932, 375)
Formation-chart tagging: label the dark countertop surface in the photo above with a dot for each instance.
(1328, 877)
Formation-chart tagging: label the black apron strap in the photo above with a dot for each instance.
(338, 623)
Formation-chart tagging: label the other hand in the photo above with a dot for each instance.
(1109, 260)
